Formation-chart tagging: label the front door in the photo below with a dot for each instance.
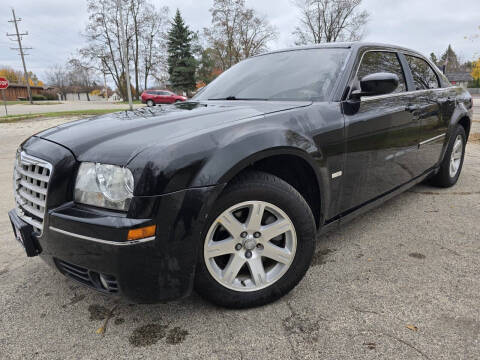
(382, 136)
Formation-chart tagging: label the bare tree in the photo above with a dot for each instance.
(81, 76)
(237, 32)
(148, 39)
(103, 37)
(57, 76)
(144, 27)
(329, 21)
(153, 44)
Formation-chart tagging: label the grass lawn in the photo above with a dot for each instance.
(13, 118)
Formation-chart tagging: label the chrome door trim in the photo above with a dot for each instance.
(432, 139)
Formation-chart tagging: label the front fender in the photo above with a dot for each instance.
(242, 150)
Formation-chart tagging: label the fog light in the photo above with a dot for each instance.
(103, 281)
(141, 233)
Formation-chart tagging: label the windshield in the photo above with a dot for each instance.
(299, 75)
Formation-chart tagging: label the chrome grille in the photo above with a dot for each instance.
(31, 176)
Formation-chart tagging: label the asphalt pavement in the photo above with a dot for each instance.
(400, 282)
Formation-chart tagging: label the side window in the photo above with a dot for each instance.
(423, 75)
(382, 61)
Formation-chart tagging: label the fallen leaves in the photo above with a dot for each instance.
(101, 330)
(412, 327)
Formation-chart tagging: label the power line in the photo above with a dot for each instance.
(21, 50)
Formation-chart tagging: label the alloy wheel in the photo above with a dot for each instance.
(456, 157)
(250, 246)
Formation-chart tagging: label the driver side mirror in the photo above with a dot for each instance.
(376, 84)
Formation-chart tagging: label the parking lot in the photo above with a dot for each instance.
(400, 282)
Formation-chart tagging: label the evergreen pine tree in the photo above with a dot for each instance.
(181, 63)
(450, 60)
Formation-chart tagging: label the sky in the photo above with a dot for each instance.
(55, 26)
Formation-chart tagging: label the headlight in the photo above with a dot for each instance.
(101, 185)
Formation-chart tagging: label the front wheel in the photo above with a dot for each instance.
(150, 103)
(257, 245)
(452, 163)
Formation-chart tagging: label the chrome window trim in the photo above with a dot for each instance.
(102, 241)
(363, 99)
(399, 51)
(432, 139)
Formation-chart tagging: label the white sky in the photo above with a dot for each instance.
(55, 26)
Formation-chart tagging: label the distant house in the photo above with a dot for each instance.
(115, 97)
(459, 78)
(19, 91)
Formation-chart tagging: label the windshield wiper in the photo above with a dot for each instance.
(235, 98)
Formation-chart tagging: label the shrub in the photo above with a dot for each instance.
(50, 96)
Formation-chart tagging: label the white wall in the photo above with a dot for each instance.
(83, 97)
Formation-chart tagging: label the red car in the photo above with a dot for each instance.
(152, 97)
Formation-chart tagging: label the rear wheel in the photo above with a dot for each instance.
(150, 103)
(452, 163)
(258, 243)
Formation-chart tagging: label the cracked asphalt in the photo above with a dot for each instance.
(400, 282)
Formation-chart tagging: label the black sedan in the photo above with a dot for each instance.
(226, 193)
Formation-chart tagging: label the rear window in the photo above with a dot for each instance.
(423, 75)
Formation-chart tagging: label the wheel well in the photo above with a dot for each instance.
(465, 122)
(298, 173)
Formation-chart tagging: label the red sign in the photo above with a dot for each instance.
(3, 83)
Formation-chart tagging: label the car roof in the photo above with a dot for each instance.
(354, 45)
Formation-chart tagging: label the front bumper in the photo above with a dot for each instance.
(90, 242)
(93, 243)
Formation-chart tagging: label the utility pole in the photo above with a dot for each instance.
(22, 54)
(105, 82)
(125, 55)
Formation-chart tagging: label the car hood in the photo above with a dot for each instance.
(118, 137)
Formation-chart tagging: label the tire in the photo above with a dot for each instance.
(150, 103)
(445, 177)
(287, 213)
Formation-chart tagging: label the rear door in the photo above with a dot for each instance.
(382, 136)
(169, 97)
(160, 97)
(431, 103)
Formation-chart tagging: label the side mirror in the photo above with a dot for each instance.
(376, 84)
